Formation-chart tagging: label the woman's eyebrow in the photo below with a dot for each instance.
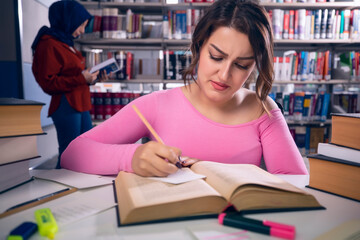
(225, 54)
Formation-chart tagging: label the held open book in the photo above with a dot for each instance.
(247, 187)
(109, 65)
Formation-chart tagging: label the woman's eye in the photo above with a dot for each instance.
(215, 58)
(241, 66)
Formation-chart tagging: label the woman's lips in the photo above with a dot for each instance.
(219, 86)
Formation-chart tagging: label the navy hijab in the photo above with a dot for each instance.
(65, 17)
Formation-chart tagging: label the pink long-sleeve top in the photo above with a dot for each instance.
(109, 147)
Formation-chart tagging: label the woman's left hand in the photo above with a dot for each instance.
(187, 161)
(103, 76)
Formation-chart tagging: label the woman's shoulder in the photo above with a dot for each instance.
(162, 96)
(249, 97)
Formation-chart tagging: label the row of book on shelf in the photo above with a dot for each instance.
(19, 129)
(292, 65)
(306, 24)
(306, 106)
(300, 24)
(314, 66)
(335, 168)
(168, 67)
(106, 104)
(108, 23)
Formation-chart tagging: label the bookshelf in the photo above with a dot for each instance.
(161, 44)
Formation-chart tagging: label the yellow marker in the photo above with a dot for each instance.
(46, 222)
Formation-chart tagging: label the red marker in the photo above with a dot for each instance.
(265, 227)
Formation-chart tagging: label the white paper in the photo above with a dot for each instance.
(85, 204)
(181, 176)
(71, 178)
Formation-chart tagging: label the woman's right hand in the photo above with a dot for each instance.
(155, 159)
(90, 77)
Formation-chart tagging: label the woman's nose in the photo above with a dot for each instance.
(225, 71)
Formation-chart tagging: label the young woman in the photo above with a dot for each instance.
(213, 118)
(59, 70)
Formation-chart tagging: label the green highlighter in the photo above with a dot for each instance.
(46, 222)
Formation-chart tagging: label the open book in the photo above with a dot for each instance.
(247, 187)
(110, 65)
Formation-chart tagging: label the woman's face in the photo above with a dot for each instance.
(226, 61)
(80, 30)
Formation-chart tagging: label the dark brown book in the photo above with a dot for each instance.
(335, 176)
(345, 130)
(247, 187)
(19, 117)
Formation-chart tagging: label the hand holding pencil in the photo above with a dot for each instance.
(154, 158)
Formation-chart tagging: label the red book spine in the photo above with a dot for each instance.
(286, 24)
(129, 65)
(296, 24)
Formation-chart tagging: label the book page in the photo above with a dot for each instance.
(226, 178)
(181, 176)
(146, 192)
(141, 199)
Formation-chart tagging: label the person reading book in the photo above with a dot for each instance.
(60, 71)
(212, 118)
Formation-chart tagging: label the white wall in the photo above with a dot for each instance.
(34, 16)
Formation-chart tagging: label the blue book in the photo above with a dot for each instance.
(325, 107)
(318, 107)
(306, 106)
(304, 65)
(298, 105)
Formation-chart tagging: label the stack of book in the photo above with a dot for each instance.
(19, 127)
(336, 166)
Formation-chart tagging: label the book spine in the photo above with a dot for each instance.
(302, 21)
(165, 27)
(298, 106)
(106, 23)
(325, 107)
(286, 105)
(308, 24)
(342, 14)
(286, 23)
(306, 106)
(277, 23)
(296, 24)
(317, 24)
(304, 67)
(324, 20)
(346, 30)
(188, 23)
(291, 105)
(113, 19)
(330, 24)
(291, 24)
(129, 65)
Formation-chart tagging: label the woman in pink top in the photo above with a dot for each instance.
(213, 118)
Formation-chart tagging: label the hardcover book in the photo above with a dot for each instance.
(26, 147)
(335, 175)
(19, 117)
(247, 187)
(345, 129)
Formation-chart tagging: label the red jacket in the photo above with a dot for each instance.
(57, 69)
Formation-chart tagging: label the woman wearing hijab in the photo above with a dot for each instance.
(60, 71)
